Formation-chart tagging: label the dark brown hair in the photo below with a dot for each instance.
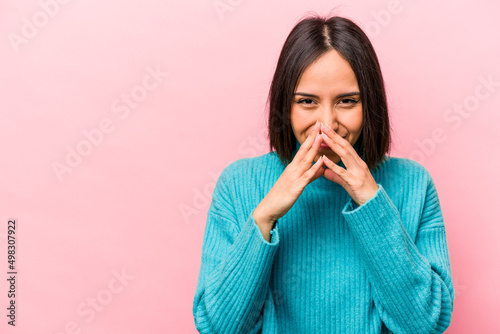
(310, 38)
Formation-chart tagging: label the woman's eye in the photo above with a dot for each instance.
(345, 102)
(305, 101)
(348, 101)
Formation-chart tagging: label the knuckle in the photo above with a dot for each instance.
(304, 162)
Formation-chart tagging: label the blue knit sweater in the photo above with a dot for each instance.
(331, 266)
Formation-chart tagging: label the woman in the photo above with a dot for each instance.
(326, 234)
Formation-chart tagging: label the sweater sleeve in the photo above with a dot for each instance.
(411, 281)
(236, 265)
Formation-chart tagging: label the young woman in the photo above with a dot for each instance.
(325, 234)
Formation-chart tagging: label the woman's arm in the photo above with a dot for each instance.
(235, 268)
(412, 282)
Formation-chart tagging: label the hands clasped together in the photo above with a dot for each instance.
(356, 178)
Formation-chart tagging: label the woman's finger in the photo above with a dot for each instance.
(340, 146)
(313, 151)
(315, 171)
(341, 172)
(307, 144)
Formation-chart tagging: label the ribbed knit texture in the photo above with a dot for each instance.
(331, 266)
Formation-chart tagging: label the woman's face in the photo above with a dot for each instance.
(327, 91)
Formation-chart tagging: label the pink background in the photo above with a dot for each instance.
(137, 199)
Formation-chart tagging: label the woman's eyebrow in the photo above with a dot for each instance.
(338, 96)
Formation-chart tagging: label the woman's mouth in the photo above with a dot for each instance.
(324, 146)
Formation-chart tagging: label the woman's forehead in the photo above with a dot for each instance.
(330, 72)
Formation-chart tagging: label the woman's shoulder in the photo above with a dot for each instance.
(401, 162)
(244, 168)
(263, 161)
(402, 167)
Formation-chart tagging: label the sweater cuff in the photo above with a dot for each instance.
(256, 230)
(377, 227)
(352, 206)
(374, 220)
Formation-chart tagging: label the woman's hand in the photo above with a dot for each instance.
(357, 179)
(292, 181)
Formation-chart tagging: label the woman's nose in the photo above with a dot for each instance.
(330, 122)
(329, 118)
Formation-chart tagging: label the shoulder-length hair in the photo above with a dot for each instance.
(308, 40)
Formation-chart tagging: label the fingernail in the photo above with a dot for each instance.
(316, 127)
